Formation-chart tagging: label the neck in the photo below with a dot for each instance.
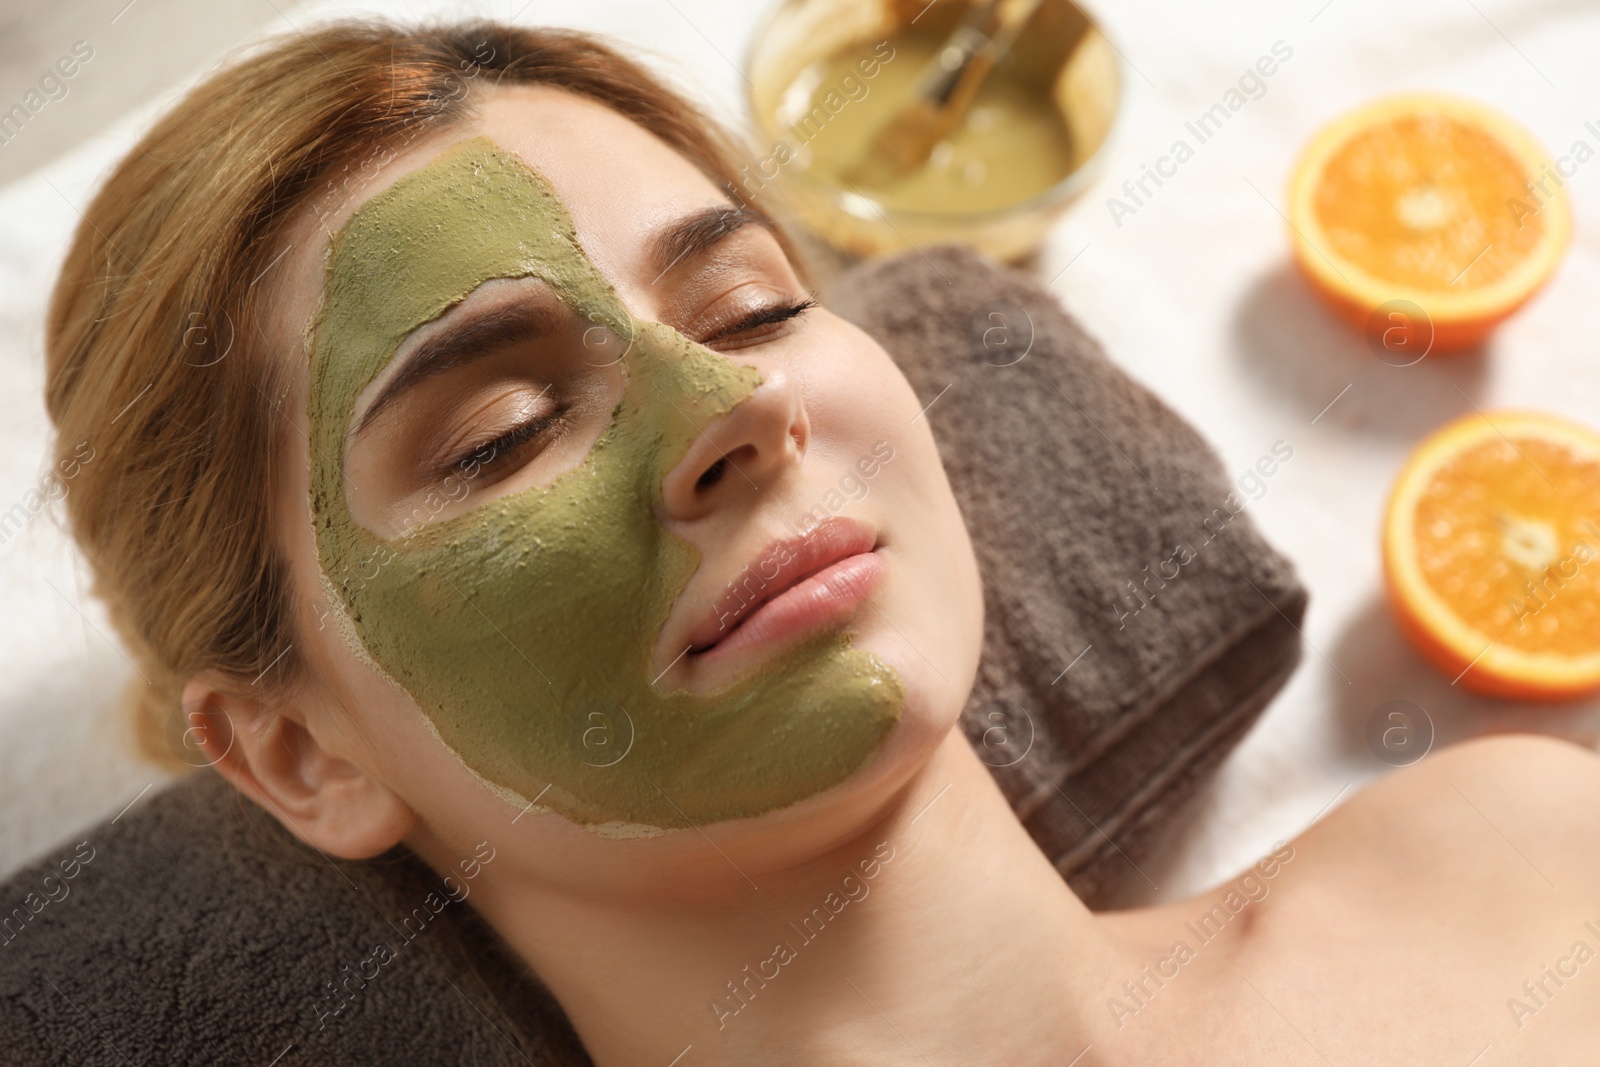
(877, 952)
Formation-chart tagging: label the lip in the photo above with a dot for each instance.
(793, 587)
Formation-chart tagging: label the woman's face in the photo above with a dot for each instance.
(594, 524)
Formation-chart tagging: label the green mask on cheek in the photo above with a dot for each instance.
(524, 626)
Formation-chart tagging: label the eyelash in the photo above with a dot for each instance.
(508, 442)
(771, 315)
(524, 433)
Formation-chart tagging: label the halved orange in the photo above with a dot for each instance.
(1427, 201)
(1491, 554)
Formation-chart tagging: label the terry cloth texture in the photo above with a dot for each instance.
(193, 929)
(1136, 623)
(200, 932)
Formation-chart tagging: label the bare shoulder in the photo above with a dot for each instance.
(1528, 769)
(1541, 749)
(1493, 796)
(1453, 880)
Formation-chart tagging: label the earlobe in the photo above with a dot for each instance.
(268, 753)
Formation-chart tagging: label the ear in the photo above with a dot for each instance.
(269, 754)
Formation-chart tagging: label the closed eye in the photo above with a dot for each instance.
(488, 454)
(755, 326)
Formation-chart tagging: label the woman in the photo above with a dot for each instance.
(453, 406)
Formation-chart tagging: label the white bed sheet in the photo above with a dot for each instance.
(1192, 293)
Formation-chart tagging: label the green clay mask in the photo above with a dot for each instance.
(523, 627)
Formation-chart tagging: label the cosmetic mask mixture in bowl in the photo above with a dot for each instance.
(522, 624)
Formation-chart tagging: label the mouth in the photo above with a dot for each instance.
(794, 587)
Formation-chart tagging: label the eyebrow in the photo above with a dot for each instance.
(477, 337)
(694, 234)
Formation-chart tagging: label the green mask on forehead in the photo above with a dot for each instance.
(524, 626)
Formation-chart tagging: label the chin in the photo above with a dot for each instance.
(818, 824)
(907, 749)
(934, 697)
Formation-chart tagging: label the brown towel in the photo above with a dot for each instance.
(199, 932)
(1085, 495)
(194, 930)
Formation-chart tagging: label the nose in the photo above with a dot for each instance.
(742, 451)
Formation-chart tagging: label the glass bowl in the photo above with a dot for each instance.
(1061, 53)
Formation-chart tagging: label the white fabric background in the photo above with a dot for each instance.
(1193, 294)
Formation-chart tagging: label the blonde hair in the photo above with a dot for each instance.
(155, 347)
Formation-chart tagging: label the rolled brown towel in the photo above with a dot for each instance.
(193, 929)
